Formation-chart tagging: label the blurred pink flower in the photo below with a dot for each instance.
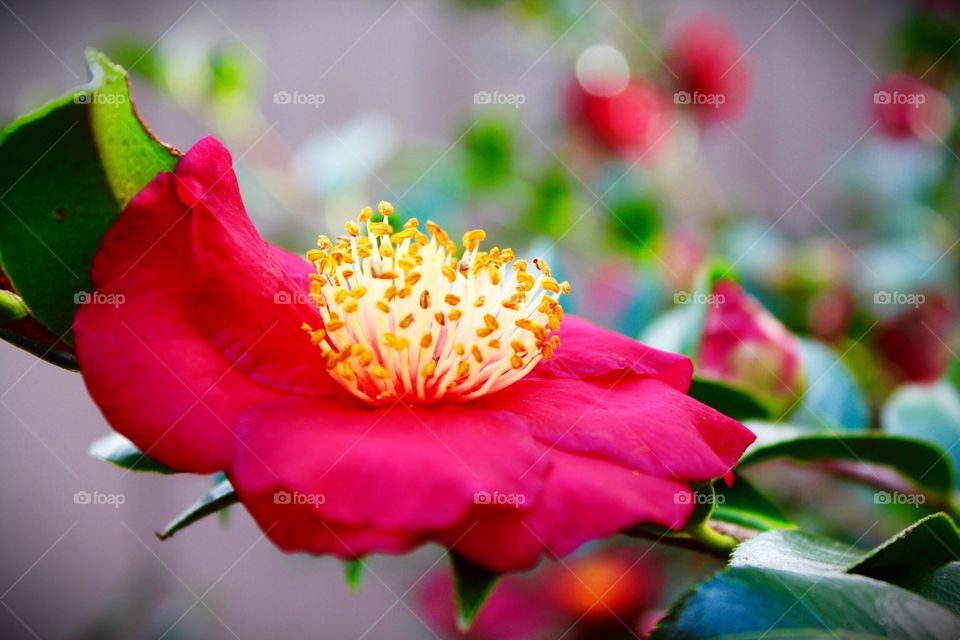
(713, 75)
(633, 122)
(744, 345)
(907, 107)
(914, 341)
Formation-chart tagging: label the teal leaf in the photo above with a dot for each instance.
(116, 449)
(928, 412)
(832, 397)
(790, 584)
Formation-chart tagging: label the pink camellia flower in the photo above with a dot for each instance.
(914, 342)
(907, 107)
(389, 392)
(712, 74)
(633, 121)
(744, 345)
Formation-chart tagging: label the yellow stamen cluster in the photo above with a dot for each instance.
(408, 315)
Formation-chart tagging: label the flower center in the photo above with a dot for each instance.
(406, 318)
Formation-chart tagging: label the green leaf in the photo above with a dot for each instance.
(116, 449)
(220, 497)
(472, 585)
(790, 584)
(927, 544)
(744, 505)
(832, 396)
(728, 399)
(922, 463)
(928, 412)
(11, 307)
(66, 172)
(353, 573)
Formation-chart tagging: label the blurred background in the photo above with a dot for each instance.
(809, 148)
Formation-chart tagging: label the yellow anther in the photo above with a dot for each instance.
(385, 208)
(473, 238)
(358, 292)
(551, 285)
(451, 299)
(425, 300)
(459, 349)
(366, 214)
(395, 342)
(426, 341)
(400, 236)
(352, 228)
(429, 369)
(454, 315)
(380, 228)
(475, 352)
(406, 321)
(516, 361)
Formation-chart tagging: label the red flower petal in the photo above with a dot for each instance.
(401, 467)
(588, 351)
(584, 498)
(175, 361)
(641, 423)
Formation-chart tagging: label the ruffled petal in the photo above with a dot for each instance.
(184, 333)
(395, 468)
(583, 499)
(588, 351)
(242, 299)
(155, 377)
(642, 423)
